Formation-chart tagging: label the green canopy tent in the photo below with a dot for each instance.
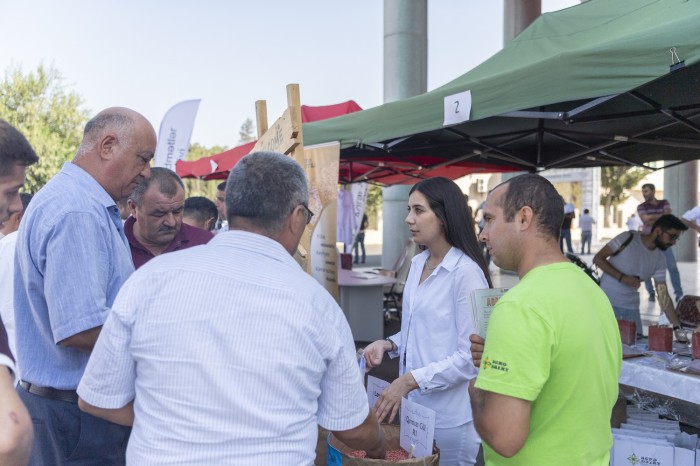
(606, 82)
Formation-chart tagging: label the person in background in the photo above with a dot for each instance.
(188, 321)
(435, 363)
(632, 257)
(71, 259)
(220, 201)
(155, 226)
(633, 223)
(565, 235)
(12, 223)
(691, 219)
(7, 274)
(586, 223)
(123, 205)
(549, 370)
(16, 431)
(200, 212)
(649, 212)
(360, 240)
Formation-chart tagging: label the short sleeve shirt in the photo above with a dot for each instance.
(693, 215)
(559, 348)
(71, 259)
(233, 355)
(635, 260)
(646, 208)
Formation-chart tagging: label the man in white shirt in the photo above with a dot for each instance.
(7, 273)
(16, 432)
(692, 219)
(238, 377)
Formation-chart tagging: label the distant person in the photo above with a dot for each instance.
(691, 219)
(549, 371)
(220, 201)
(632, 257)
(200, 212)
(360, 240)
(480, 210)
(633, 223)
(435, 364)
(7, 274)
(12, 223)
(16, 431)
(155, 225)
(123, 205)
(230, 353)
(649, 212)
(565, 236)
(71, 259)
(586, 223)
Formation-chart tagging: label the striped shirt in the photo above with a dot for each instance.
(71, 259)
(233, 355)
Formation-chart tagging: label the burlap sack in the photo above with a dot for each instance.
(338, 452)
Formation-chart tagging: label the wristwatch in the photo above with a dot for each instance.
(391, 342)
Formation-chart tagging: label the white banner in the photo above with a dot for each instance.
(359, 196)
(174, 134)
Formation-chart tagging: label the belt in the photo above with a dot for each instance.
(51, 393)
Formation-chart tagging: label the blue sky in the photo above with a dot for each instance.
(150, 54)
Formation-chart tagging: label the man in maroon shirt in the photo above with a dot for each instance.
(155, 226)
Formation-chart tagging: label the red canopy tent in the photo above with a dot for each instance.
(382, 169)
(217, 166)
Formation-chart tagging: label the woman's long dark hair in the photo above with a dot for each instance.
(448, 202)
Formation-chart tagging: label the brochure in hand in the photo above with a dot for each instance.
(483, 302)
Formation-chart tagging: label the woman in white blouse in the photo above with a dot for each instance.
(433, 344)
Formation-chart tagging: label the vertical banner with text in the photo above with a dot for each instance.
(321, 164)
(174, 134)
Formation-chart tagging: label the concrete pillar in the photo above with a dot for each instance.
(405, 75)
(680, 189)
(517, 15)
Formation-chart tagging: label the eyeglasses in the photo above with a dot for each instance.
(309, 214)
(670, 236)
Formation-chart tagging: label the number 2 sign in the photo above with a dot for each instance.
(458, 108)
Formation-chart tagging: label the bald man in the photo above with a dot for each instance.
(71, 259)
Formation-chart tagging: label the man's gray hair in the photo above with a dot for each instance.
(167, 181)
(264, 188)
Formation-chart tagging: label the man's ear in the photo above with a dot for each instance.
(209, 223)
(524, 217)
(107, 145)
(132, 206)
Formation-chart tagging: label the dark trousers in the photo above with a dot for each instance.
(565, 236)
(359, 243)
(65, 435)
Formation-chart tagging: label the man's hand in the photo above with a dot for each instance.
(477, 348)
(631, 281)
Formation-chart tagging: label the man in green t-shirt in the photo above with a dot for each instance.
(552, 357)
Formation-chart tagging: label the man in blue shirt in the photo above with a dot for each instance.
(72, 257)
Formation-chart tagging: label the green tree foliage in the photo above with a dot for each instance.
(197, 187)
(374, 203)
(247, 132)
(615, 181)
(51, 118)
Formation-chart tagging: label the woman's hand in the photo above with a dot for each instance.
(388, 403)
(374, 353)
